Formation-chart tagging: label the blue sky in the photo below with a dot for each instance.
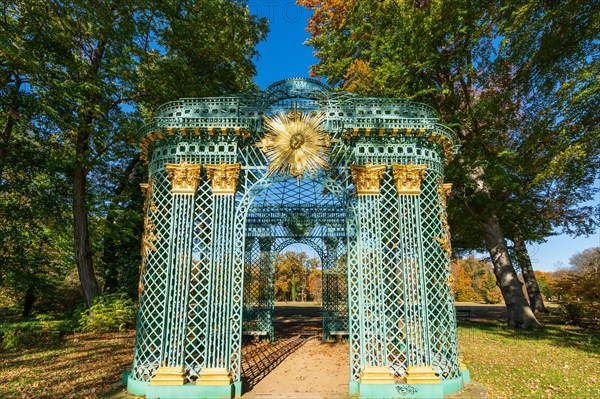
(284, 55)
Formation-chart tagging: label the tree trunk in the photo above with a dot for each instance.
(9, 124)
(83, 250)
(5, 137)
(536, 302)
(28, 301)
(519, 312)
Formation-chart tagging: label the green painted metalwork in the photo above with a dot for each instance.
(209, 263)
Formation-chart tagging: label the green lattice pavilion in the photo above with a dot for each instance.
(217, 213)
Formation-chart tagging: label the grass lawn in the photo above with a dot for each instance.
(557, 362)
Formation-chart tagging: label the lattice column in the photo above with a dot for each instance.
(224, 179)
(442, 319)
(407, 179)
(184, 182)
(372, 327)
(251, 293)
(149, 318)
(329, 284)
(266, 286)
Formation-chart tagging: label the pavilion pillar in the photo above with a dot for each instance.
(266, 286)
(407, 179)
(215, 376)
(330, 282)
(184, 179)
(370, 277)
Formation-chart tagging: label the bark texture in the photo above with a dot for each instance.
(28, 301)
(536, 302)
(519, 313)
(83, 250)
(9, 124)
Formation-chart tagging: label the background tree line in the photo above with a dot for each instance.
(472, 280)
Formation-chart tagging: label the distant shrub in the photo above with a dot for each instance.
(578, 289)
(112, 312)
(573, 313)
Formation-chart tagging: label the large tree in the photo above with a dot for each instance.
(456, 56)
(293, 272)
(98, 67)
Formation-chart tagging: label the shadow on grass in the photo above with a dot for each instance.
(48, 353)
(557, 334)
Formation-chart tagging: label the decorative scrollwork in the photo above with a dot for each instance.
(148, 236)
(148, 193)
(367, 178)
(444, 190)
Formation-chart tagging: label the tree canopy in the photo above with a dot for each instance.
(77, 79)
(514, 81)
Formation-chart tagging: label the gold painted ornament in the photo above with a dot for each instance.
(295, 143)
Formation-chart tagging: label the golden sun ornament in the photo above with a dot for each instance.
(295, 143)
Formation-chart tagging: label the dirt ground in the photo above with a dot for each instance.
(298, 364)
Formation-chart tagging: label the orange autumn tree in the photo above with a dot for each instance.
(462, 283)
(473, 280)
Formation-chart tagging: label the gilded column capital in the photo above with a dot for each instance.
(184, 177)
(367, 178)
(407, 178)
(224, 177)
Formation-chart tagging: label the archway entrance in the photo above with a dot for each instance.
(233, 177)
(288, 212)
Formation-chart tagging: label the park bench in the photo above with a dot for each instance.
(339, 335)
(463, 314)
(254, 334)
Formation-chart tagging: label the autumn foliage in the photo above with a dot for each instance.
(578, 288)
(472, 280)
(297, 277)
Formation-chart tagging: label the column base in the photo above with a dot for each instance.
(376, 375)
(214, 377)
(166, 375)
(394, 391)
(187, 391)
(464, 371)
(190, 391)
(399, 390)
(421, 375)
